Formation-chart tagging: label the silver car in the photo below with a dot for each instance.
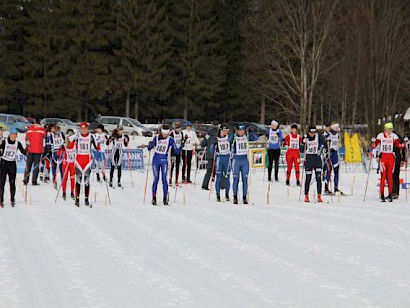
(65, 124)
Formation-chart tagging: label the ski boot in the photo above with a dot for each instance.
(110, 183)
(154, 200)
(98, 178)
(227, 198)
(64, 196)
(35, 184)
(13, 203)
(218, 198)
(298, 183)
(235, 199)
(245, 201)
(170, 182)
(276, 179)
(165, 201)
(104, 178)
(307, 199)
(319, 198)
(119, 184)
(269, 179)
(55, 185)
(72, 196)
(382, 198)
(287, 183)
(327, 191)
(395, 196)
(87, 202)
(389, 198)
(77, 202)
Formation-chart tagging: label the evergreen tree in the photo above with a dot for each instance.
(144, 53)
(199, 62)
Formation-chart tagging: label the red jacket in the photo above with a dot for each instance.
(35, 135)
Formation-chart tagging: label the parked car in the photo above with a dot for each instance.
(15, 121)
(254, 128)
(130, 125)
(65, 124)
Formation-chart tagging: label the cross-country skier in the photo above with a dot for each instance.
(176, 158)
(101, 138)
(275, 138)
(68, 152)
(314, 145)
(191, 141)
(387, 141)
(161, 144)
(119, 141)
(8, 166)
(332, 157)
(55, 140)
(46, 157)
(84, 142)
(293, 142)
(240, 162)
(222, 162)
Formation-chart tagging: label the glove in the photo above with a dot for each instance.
(305, 140)
(151, 144)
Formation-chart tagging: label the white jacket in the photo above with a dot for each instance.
(191, 141)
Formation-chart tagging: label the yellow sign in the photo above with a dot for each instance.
(257, 157)
(352, 147)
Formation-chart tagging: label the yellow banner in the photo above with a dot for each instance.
(352, 147)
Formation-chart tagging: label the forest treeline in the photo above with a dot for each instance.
(305, 61)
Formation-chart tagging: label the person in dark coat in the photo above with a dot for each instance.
(207, 143)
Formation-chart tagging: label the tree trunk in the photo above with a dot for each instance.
(127, 104)
(263, 109)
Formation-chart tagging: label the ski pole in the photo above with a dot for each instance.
(303, 171)
(64, 176)
(367, 181)
(146, 178)
(212, 175)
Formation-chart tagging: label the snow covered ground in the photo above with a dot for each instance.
(204, 254)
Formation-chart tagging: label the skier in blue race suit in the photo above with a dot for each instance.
(240, 162)
(161, 145)
(222, 147)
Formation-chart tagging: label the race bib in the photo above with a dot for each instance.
(241, 145)
(312, 146)
(162, 146)
(84, 145)
(178, 140)
(386, 145)
(273, 137)
(223, 146)
(294, 143)
(70, 155)
(10, 151)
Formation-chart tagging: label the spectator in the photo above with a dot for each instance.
(34, 140)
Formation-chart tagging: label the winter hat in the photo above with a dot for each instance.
(177, 125)
(274, 123)
(100, 126)
(188, 123)
(119, 127)
(388, 125)
(312, 128)
(294, 126)
(84, 125)
(335, 126)
(13, 131)
(241, 127)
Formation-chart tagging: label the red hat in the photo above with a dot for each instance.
(84, 125)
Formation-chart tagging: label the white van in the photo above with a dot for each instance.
(130, 125)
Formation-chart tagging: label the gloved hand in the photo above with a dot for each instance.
(305, 139)
(207, 136)
(150, 144)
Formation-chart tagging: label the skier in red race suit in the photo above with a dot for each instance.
(83, 142)
(293, 141)
(387, 141)
(69, 153)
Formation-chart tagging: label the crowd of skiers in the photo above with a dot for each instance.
(72, 155)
